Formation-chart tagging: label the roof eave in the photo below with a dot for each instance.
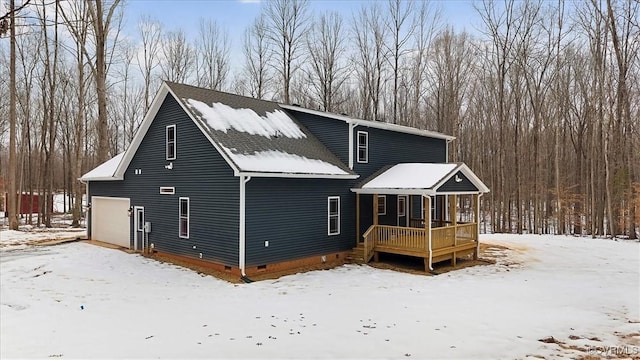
(394, 191)
(373, 124)
(298, 175)
(102, 178)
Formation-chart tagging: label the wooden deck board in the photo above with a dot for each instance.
(466, 245)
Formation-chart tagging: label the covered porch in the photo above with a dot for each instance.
(445, 232)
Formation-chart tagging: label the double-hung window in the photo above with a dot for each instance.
(382, 204)
(363, 147)
(333, 215)
(183, 217)
(171, 142)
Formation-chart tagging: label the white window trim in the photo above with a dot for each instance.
(404, 208)
(365, 146)
(384, 211)
(180, 216)
(167, 190)
(433, 207)
(166, 142)
(329, 199)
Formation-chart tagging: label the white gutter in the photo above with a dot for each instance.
(242, 230)
(296, 175)
(351, 127)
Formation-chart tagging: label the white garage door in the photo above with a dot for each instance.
(110, 220)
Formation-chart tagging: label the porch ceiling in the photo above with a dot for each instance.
(421, 179)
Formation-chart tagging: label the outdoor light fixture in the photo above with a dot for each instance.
(169, 166)
(130, 211)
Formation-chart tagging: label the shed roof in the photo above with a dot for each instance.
(418, 179)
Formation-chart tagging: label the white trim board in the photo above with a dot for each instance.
(371, 124)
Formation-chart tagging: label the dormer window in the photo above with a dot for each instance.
(171, 142)
(363, 147)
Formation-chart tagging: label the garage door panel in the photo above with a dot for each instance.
(110, 220)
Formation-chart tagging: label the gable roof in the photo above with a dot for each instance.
(255, 137)
(418, 179)
(371, 124)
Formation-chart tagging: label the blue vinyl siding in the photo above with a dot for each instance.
(291, 214)
(453, 186)
(389, 148)
(332, 133)
(199, 173)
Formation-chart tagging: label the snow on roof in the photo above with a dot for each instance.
(282, 162)
(410, 176)
(104, 171)
(222, 117)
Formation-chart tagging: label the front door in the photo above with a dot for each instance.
(403, 210)
(138, 226)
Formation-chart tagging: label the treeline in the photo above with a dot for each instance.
(543, 97)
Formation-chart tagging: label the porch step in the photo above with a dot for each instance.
(356, 256)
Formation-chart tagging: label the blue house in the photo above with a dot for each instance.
(247, 186)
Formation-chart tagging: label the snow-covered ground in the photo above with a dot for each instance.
(82, 301)
(30, 235)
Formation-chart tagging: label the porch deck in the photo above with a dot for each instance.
(447, 242)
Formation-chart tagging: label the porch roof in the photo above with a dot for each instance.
(423, 179)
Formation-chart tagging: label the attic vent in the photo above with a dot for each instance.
(298, 105)
(167, 190)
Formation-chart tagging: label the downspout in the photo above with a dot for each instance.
(351, 127)
(429, 235)
(86, 184)
(478, 226)
(242, 233)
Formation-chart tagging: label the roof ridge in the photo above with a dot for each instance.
(274, 103)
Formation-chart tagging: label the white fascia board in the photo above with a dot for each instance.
(372, 124)
(299, 176)
(102, 178)
(458, 192)
(423, 192)
(402, 129)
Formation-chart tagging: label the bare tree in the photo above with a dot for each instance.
(101, 16)
(12, 199)
(400, 27)
(327, 72)
(256, 49)
(150, 31)
(427, 25)
(369, 34)
(625, 46)
(212, 55)
(286, 21)
(451, 68)
(178, 54)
